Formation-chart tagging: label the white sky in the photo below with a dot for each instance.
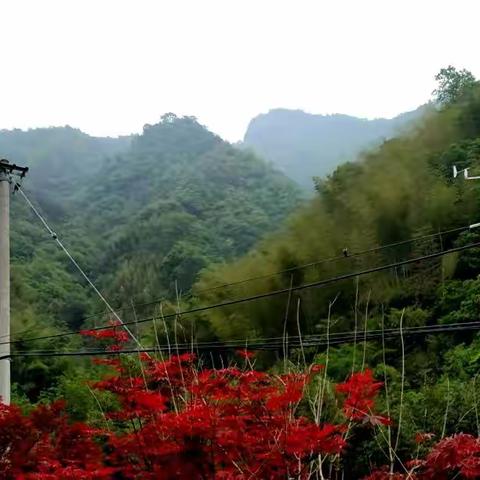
(110, 66)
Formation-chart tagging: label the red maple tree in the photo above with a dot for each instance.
(175, 421)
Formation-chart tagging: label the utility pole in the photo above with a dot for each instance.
(7, 171)
(456, 172)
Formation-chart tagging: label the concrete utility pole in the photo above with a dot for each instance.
(7, 170)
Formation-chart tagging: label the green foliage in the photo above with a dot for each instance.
(83, 403)
(401, 190)
(142, 215)
(452, 84)
(179, 199)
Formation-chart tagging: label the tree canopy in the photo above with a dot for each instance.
(452, 84)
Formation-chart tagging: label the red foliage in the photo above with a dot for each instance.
(43, 446)
(119, 335)
(458, 455)
(453, 457)
(230, 424)
(173, 422)
(247, 355)
(176, 422)
(361, 390)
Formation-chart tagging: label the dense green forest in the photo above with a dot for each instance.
(180, 216)
(177, 200)
(303, 145)
(142, 215)
(47, 294)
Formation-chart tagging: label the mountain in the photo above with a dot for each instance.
(143, 215)
(179, 198)
(304, 146)
(363, 305)
(62, 161)
(60, 158)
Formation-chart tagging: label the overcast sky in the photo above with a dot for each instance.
(109, 67)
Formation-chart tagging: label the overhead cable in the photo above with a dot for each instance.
(296, 268)
(307, 341)
(74, 262)
(227, 303)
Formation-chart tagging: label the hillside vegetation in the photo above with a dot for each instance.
(401, 190)
(398, 191)
(370, 376)
(142, 215)
(178, 199)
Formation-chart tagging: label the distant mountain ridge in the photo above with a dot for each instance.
(304, 145)
(60, 158)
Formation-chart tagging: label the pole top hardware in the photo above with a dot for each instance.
(11, 168)
(456, 172)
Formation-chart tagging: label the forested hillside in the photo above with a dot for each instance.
(142, 215)
(47, 293)
(400, 191)
(361, 307)
(177, 200)
(397, 192)
(304, 145)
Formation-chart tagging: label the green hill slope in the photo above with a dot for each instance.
(402, 189)
(142, 215)
(178, 199)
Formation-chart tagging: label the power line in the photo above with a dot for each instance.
(292, 269)
(335, 258)
(307, 341)
(74, 262)
(264, 295)
(316, 338)
(239, 282)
